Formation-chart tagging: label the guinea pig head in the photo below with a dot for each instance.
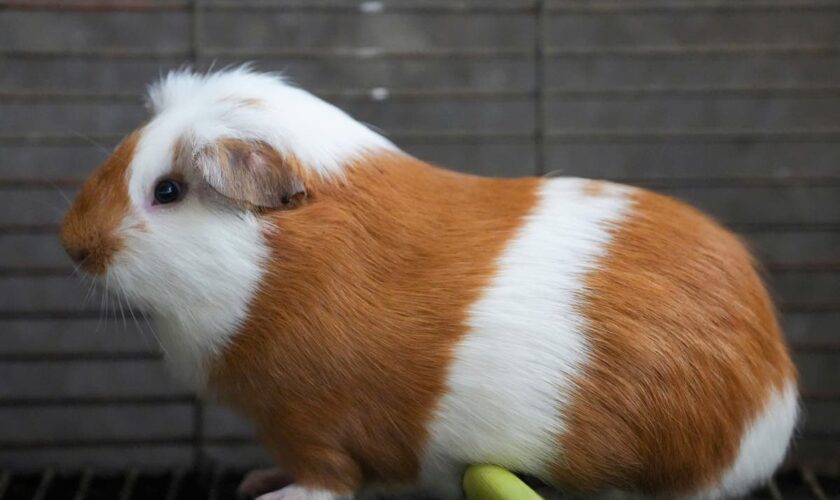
(164, 221)
(176, 219)
(178, 231)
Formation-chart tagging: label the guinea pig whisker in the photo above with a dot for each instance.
(103, 306)
(91, 286)
(107, 316)
(61, 192)
(118, 299)
(121, 288)
(76, 267)
(99, 146)
(554, 173)
(119, 309)
(58, 210)
(155, 334)
(114, 309)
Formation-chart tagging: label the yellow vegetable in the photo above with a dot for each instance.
(488, 482)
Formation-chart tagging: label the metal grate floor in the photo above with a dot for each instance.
(128, 485)
(800, 484)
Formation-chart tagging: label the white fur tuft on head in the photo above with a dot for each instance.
(243, 104)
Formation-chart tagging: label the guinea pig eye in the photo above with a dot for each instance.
(167, 191)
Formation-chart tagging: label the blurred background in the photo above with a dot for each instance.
(732, 105)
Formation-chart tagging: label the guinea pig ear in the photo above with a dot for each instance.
(252, 174)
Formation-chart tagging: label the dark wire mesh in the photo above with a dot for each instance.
(220, 484)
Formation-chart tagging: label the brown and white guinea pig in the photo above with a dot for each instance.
(385, 323)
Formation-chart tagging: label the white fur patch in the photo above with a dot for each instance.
(510, 380)
(195, 265)
(763, 446)
(242, 104)
(195, 270)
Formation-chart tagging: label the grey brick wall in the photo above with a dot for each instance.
(733, 105)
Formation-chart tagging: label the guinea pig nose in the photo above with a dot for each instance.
(78, 254)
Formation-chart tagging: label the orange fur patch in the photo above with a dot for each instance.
(685, 351)
(88, 231)
(349, 339)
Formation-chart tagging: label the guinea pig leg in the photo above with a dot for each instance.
(260, 481)
(296, 492)
(320, 473)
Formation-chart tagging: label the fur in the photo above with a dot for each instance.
(686, 351)
(242, 104)
(762, 448)
(360, 315)
(512, 373)
(386, 323)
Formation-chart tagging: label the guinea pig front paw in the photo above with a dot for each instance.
(261, 481)
(295, 492)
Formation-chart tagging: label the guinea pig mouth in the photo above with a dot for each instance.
(91, 259)
(91, 248)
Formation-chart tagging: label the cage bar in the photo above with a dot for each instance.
(5, 479)
(84, 485)
(174, 484)
(810, 479)
(773, 489)
(44, 483)
(128, 485)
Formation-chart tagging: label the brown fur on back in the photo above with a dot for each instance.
(350, 336)
(685, 352)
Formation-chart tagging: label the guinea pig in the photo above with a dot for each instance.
(384, 323)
